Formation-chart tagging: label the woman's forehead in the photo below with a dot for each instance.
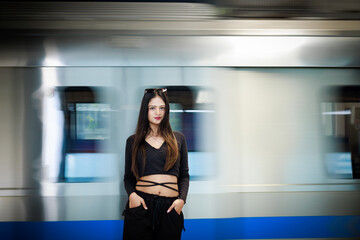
(156, 101)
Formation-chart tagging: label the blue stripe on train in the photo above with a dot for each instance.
(228, 228)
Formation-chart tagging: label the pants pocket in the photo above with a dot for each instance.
(178, 219)
(137, 224)
(137, 209)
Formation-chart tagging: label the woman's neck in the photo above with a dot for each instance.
(154, 131)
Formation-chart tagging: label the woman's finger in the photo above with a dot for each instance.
(144, 204)
(171, 207)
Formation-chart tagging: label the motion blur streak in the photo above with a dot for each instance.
(52, 126)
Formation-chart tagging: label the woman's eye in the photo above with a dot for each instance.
(152, 108)
(162, 108)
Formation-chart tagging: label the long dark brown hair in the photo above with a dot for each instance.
(143, 129)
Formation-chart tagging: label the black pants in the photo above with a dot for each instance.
(154, 223)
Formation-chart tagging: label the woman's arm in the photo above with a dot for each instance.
(129, 178)
(184, 177)
(184, 170)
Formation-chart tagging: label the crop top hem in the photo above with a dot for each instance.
(164, 173)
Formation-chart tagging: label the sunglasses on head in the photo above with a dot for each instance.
(149, 90)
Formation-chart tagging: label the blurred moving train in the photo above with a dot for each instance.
(270, 109)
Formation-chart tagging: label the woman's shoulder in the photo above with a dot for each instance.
(130, 139)
(179, 136)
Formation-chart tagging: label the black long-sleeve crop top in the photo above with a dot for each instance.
(155, 160)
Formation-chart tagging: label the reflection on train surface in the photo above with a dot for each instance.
(271, 121)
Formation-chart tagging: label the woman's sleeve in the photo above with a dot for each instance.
(129, 178)
(184, 170)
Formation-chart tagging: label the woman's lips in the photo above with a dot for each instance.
(158, 118)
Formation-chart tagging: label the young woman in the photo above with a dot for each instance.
(156, 173)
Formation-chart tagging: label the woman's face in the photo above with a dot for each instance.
(156, 110)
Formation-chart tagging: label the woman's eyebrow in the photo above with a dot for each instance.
(157, 105)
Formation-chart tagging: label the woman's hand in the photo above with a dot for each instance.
(135, 201)
(178, 205)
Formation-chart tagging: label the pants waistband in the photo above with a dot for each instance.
(149, 196)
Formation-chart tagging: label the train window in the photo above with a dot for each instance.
(192, 113)
(87, 118)
(340, 109)
(91, 121)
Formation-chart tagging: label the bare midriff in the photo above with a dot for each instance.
(158, 189)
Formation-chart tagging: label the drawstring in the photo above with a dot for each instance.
(158, 207)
